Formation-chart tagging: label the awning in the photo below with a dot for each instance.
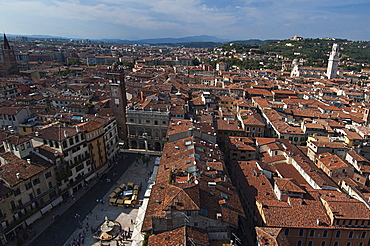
(46, 208)
(57, 201)
(33, 218)
(127, 193)
(90, 177)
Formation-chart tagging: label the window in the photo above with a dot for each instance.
(38, 191)
(310, 243)
(31, 196)
(28, 186)
(363, 234)
(47, 175)
(312, 233)
(286, 232)
(56, 145)
(301, 232)
(335, 244)
(299, 243)
(323, 243)
(361, 244)
(71, 141)
(348, 244)
(20, 203)
(350, 235)
(36, 181)
(50, 185)
(17, 192)
(12, 205)
(337, 234)
(80, 167)
(325, 233)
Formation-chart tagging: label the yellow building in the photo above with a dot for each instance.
(94, 133)
(225, 102)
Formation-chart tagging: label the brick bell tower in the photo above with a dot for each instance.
(9, 65)
(119, 101)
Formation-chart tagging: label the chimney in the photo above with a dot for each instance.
(77, 129)
(18, 175)
(65, 133)
(29, 161)
(37, 134)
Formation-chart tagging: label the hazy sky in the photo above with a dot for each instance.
(227, 19)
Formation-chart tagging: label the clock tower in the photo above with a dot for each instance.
(119, 102)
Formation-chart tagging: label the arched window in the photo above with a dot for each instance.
(301, 232)
(350, 235)
(310, 243)
(312, 233)
(299, 243)
(286, 232)
(325, 233)
(348, 244)
(323, 243)
(337, 234)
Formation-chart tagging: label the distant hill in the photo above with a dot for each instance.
(253, 41)
(314, 51)
(202, 38)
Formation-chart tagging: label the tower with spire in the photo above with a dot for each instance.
(333, 62)
(9, 64)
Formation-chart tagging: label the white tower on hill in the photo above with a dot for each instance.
(333, 62)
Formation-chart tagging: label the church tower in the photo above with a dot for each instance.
(9, 65)
(333, 62)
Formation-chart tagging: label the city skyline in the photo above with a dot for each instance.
(138, 19)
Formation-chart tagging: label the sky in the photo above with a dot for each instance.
(225, 19)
